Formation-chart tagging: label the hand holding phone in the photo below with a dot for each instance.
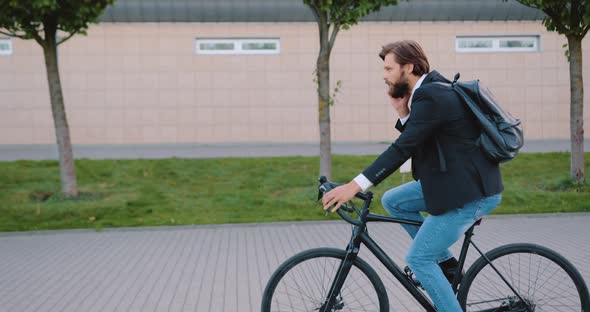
(401, 105)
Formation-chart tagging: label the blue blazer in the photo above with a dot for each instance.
(438, 113)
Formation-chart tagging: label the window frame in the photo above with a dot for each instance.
(10, 50)
(496, 43)
(238, 48)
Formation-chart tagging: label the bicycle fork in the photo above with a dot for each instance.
(334, 298)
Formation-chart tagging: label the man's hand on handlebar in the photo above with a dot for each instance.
(340, 195)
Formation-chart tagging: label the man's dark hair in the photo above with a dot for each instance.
(408, 52)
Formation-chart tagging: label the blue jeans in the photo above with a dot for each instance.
(433, 239)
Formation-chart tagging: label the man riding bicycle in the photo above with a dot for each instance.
(456, 189)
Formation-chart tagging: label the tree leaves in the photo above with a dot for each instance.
(32, 19)
(570, 18)
(346, 13)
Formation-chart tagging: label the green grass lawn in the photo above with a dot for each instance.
(202, 191)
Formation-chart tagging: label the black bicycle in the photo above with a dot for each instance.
(514, 277)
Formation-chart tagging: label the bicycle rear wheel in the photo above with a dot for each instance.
(302, 283)
(544, 279)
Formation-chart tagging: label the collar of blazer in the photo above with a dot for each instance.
(434, 76)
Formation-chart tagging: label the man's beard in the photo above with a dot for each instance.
(399, 89)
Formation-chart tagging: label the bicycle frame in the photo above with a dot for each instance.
(361, 236)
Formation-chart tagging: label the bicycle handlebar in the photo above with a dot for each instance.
(326, 186)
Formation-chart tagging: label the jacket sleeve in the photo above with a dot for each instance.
(426, 118)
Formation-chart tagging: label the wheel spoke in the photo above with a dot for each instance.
(531, 270)
(305, 284)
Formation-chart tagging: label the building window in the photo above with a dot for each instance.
(497, 43)
(5, 46)
(237, 46)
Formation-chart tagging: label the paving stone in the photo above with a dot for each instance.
(221, 267)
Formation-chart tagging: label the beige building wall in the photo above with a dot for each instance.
(143, 83)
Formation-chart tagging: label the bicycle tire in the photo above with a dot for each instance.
(297, 264)
(510, 260)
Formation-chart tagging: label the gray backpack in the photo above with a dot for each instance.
(501, 134)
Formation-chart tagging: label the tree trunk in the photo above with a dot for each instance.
(62, 131)
(576, 109)
(323, 76)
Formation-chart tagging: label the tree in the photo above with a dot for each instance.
(572, 19)
(331, 16)
(41, 20)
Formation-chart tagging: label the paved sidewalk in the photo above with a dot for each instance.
(49, 151)
(219, 267)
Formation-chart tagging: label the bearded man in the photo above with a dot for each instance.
(456, 188)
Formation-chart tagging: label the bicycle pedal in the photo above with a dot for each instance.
(411, 277)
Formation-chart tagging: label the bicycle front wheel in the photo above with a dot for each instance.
(302, 283)
(541, 280)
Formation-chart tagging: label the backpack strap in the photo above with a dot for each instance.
(441, 157)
